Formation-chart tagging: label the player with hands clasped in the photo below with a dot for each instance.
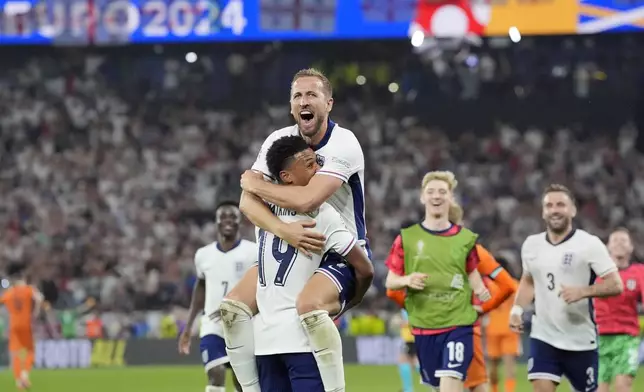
(559, 270)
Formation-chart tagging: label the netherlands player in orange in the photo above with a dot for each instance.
(501, 286)
(23, 303)
(502, 344)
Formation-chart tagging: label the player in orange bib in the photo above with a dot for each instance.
(501, 286)
(23, 303)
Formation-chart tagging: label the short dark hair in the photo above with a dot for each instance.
(280, 154)
(559, 188)
(226, 203)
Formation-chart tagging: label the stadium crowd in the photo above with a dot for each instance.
(108, 189)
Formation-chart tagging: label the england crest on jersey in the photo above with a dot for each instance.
(319, 159)
(631, 285)
(567, 260)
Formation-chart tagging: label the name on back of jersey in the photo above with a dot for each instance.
(280, 211)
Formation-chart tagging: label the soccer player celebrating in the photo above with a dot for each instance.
(559, 270)
(436, 261)
(340, 183)
(23, 303)
(219, 266)
(501, 286)
(618, 321)
(283, 347)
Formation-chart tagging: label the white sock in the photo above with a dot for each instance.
(240, 343)
(211, 388)
(327, 348)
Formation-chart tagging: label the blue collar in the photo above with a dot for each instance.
(235, 245)
(330, 125)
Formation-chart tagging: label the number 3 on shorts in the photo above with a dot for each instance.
(456, 352)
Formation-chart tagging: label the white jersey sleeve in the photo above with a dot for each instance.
(599, 258)
(260, 163)
(198, 270)
(346, 158)
(338, 238)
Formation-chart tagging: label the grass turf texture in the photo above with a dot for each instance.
(360, 378)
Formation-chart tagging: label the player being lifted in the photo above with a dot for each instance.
(284, 355)
(436, 262)
(23, 303)
(559, 270)
(219, 266)
(340, 183)
(618, 321)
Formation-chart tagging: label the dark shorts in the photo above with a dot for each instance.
(446, 354)
(409, 348)
(297, 372)
(341, 275)
(550, 363)
(213, 351)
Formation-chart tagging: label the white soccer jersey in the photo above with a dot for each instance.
(221, 271)
(283, 273)
(340, 156)
(574, 262)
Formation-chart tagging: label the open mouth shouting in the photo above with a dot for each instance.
(307, 118)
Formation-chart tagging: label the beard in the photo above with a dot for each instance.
(319, 120)
(559, 228)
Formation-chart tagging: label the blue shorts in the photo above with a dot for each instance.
(550, 363)
(446, 354)
(341, 274)
(213, 351)
(297, 372)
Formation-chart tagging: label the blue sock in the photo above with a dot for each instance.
(418, 368)
(406, 377)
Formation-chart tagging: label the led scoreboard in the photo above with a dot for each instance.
(104, 22)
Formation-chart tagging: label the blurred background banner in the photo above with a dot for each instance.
(111, 22)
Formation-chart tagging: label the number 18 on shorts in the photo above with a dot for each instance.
(446, 354)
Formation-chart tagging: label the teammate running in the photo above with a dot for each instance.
(284, 355)
(618, 321)
(501, 286)
(436, 262)
(23, 303)
(339, 182)
(219, 266)
(559, 270)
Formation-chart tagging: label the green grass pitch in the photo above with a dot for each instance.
(185, 379)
